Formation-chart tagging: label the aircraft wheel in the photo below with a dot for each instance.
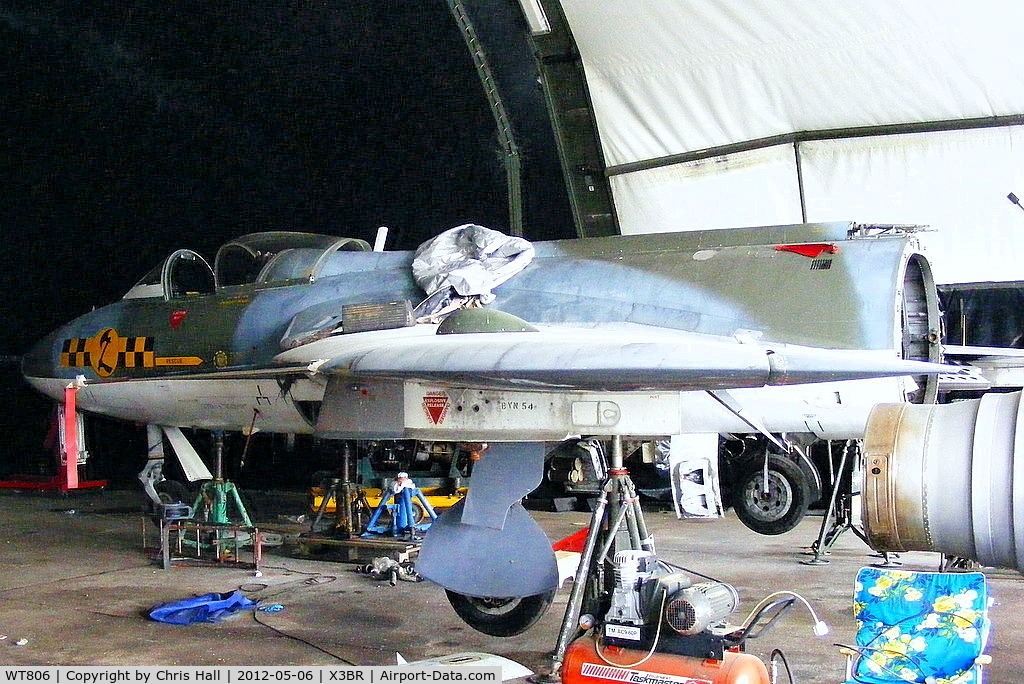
(501, 617)
(170, 491)
(782, 506)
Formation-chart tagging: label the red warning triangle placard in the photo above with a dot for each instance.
(435, 405)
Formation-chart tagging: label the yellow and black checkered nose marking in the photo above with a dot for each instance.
(106, 351)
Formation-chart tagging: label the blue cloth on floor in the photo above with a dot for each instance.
(205, 608)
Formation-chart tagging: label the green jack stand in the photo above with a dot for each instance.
(216, 496)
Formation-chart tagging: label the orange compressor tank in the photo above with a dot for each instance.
(583, 665)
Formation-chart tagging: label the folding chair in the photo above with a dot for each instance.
(928, 627)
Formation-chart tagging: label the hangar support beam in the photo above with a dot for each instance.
(506, 137)
(572, 116)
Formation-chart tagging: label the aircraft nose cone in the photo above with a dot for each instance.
(39, 362)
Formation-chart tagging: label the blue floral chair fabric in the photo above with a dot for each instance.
(928, 627)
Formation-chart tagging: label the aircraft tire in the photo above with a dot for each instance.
(782, 507)
(500, 617)
(170, 491)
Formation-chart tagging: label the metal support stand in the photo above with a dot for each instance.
(217, 495)
(334, 489)
(221, 539)
(839, 515)
(618, 503)
(348, 517)
(70, 449)
(219, 545)
(403, 515)
(349, 522)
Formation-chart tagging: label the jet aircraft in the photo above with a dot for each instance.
(480, 337)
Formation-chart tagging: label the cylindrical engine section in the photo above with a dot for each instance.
(584, 665)
(941, 478)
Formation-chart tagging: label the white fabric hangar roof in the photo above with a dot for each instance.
(724, 113)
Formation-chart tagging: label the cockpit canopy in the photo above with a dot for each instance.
(273, 258)
(278, 257)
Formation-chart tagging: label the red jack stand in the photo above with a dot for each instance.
(67, 447)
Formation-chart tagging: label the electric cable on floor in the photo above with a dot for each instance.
(777, 654)
(314, 579)
(256, 617)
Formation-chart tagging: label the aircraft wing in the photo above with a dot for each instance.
(589, 359)
(526, 357)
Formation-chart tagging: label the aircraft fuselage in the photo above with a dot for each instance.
(171, 355)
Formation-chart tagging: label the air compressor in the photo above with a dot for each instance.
(661, 628)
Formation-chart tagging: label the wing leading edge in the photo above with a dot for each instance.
(590, 359)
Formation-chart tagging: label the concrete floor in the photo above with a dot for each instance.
(76, 583)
